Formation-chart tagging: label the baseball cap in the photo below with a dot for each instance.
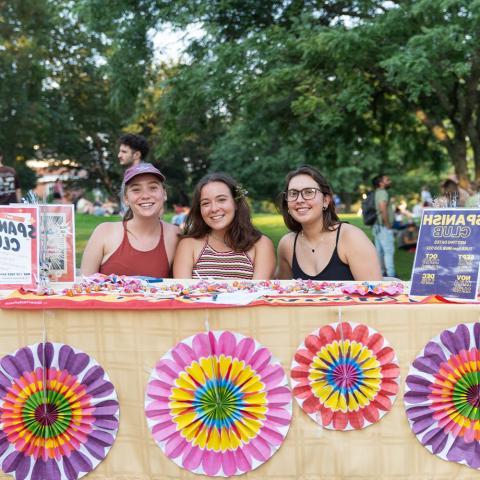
(140, 169)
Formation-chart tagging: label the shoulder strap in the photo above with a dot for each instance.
(295, 243)
(338, 234)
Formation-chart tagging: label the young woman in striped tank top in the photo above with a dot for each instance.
(220, 241)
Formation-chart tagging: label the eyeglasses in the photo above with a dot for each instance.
(307, 193)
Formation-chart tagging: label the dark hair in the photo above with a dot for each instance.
(136, 142)
(241, 235)
(449, 186)
(123, 192)
(330, 217)
(376, 180)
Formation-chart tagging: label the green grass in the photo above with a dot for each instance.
(270, 224)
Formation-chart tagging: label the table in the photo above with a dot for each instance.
(128, 344)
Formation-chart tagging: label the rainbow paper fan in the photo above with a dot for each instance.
(442, 397)
(345, 376)
(218, 404)
(59, 413)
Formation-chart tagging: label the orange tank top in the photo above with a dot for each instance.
(126, 260)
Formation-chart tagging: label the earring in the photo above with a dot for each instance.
(324, 207)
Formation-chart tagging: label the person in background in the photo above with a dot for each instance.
(417, 210)
(450, 197)
(56, 198)
(58, 191)
(141, 244)
(408, 238)
(425, 195)
(98, 210)
(382, 230)
(133, 149)
(320, 246)
(10, 191)
(398, 219)
(84, 206)
(220, 240)
(180, 215)
(473, 201)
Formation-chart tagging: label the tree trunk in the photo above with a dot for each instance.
(457, 149)
(474, 136)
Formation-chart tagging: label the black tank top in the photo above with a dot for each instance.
(335, 270)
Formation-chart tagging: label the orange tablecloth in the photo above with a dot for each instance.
(128, 343)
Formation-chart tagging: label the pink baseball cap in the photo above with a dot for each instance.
(140, 169)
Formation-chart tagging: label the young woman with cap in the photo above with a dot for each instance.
(319, 246)
(141, 245)
(220, 241)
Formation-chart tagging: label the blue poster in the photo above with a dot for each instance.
(447, 258)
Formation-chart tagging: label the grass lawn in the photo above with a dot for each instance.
(270, 224)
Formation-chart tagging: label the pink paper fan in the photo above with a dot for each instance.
(218, 404)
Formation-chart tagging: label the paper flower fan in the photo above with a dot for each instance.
(218, 404)
(442, 397)
(345, 376)
(59, 413)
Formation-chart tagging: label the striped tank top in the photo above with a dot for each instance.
(222, 265)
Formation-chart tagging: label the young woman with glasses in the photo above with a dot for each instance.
(319, 246)
(219, 239)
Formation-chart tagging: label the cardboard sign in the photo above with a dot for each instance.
(447, 258)
(57, 227)
(19, 246)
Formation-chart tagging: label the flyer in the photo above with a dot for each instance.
(57, 241)
(19, 246)
(447, 258)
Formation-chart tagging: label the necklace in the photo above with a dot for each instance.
(219, 240)
(309, 244)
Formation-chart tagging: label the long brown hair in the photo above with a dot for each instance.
(330, 217)
(241, 235)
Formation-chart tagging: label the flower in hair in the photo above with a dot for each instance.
(240, 192)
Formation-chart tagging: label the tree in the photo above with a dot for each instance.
(437, 72)
(53, 88)
(353, 87)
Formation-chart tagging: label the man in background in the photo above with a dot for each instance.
(133, 149)
(10, 191)
(382, 230)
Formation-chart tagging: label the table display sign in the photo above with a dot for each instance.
(448, 254)
(19, 259)
(57, 227)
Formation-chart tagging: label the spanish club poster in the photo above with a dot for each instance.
(19, 247)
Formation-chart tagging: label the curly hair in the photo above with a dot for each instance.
(241, 235)
(136, 142)
(330, 217)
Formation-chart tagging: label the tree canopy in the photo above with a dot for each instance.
(353, 87)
